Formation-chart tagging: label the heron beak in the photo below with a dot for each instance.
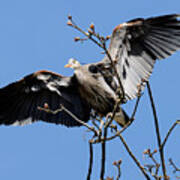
(67, 66)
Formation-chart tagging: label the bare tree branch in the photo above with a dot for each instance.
(155, 165)
(103, 156)
(103, 143)
(134, 158)
(173, 165)
(118, 165)
(161, 150)
(169, 132)
(62, 108)
(90, 160)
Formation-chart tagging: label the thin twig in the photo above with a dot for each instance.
(161, 150)
(173, 165)
(149, 168)
(151, 155)
(156, 165)
(90, 160)
(103, 157)
(62, 108)
(73, 24)
(134, 158)
(136, 106)
(169, 132)
(103, 143)
(118, 165)
(103, 148)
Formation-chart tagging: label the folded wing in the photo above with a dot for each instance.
(19, 101)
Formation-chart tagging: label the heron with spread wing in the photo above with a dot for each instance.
(134, 48)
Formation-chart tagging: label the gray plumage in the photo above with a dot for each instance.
(135, 46)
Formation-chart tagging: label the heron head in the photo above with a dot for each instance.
(73, 63)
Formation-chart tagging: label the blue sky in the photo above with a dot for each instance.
(34, 36)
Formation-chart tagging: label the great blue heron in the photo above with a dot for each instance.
(134, 48)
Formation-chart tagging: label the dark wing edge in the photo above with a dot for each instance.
(20, 100)
(137, 44)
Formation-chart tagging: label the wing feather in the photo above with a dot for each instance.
(137, 44)
(19, 101)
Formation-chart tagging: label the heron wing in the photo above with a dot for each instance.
(20, 100)
(136, 45)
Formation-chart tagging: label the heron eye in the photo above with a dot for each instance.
(93, 69)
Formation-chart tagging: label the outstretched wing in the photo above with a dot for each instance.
(136, 45)
(19, 101)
